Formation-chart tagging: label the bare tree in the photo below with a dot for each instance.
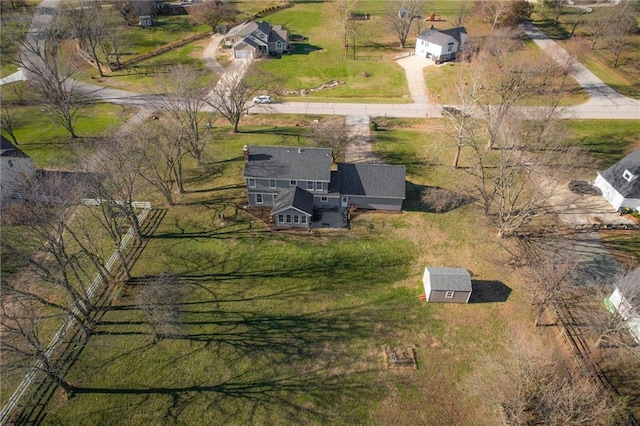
(112, 41)
(576, 19)
(345, 10)
(622, 31)
(556, 7)
(231, 95)
(59, 267)
(462, 12)
(23, 345)
(504, 13)
(599, 25)
(43, 60)
(159, 298)
(612, 327)
(90, 28)
(335, 135)
(185, 103)
(130, 10)
(401, 16)
(8, 123)
(161, 145)
(530, 385)
(212, 13)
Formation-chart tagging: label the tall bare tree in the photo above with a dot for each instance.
(24, 344)
(159, 298)
(212, 13)
(504, 13)
(344, 10)
(184, 101)
(59, 267)
(8, 123)
(335, 135)
(556, 7)
(622, 31)
(90, 27)
(130, 10)
(50, 70)
(401, 16)
(461, 13)
(230, 97)
(599, 25)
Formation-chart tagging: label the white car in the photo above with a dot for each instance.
(262, 99)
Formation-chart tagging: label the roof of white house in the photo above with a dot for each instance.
(624, 176)
(447, 279)
(441, 37)
(7, 149)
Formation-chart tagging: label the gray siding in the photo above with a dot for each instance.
(372, 203)
(458, 296)
(267, 198)
(291, 218)
(332, 202)
(263, 185)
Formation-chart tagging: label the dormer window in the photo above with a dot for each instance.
(628, 176)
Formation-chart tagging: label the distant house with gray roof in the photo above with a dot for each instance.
(451, 285)
(253, 39)
(620, 183)
(441, 45)
(16, 167)
(298, 181)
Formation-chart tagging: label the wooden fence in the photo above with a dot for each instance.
(70, 321)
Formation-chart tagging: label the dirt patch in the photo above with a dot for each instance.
(399, 358)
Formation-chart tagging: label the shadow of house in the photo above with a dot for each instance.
(489, 292)
(303, 48)
(433, 199)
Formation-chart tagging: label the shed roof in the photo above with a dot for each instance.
(615, 175)
(447, 279)
(7, 149)
(291, 163)
(372, 180)
(296, 198)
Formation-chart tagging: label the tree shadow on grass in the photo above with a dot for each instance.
(303, 48)
(489, 292)
(433, 199)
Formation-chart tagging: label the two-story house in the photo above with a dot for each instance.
(296, 181)
(441, 45)
(257, 39)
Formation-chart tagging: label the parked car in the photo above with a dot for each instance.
(262, 99)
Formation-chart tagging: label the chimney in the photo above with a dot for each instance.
(245, 153)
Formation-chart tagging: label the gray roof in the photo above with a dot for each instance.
(448, 279)
(615, 175)
(290, 163)
(7, 149)
(372, 180)
(296, 198)
(441, 37)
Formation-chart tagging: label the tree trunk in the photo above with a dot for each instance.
(456, 159)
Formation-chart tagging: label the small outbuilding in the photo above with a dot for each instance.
(451, 285)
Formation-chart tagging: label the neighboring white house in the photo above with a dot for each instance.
(257, 39)
(15, 167)
(620, 183)
(441, 45)
(626, 300)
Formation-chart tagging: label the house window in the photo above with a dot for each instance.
(318, 186)
(280, 218)
(449, 295)
(296, 218)
(259, 199)
(627, 175)
(324, 199)
(450, 47)
(288, 218)
(293, 182)
(10, 163)
(252, 183)
(310, 185)
(303, 220)
(272, 183)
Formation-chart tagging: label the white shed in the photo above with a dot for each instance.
(449, 285)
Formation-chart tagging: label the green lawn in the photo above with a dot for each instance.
(624, 78)
(281, 328)
(47, 142)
